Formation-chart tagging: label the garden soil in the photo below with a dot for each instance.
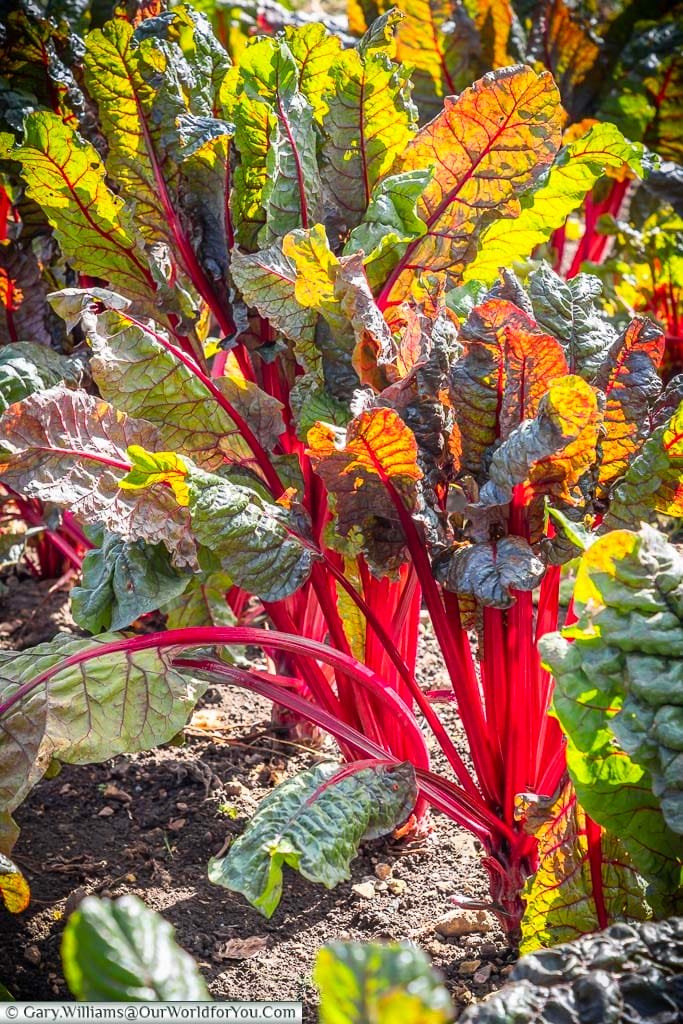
(148, 824)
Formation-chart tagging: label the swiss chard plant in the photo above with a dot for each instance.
(321, 400)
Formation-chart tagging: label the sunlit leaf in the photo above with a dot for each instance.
(369, 122)
(14, 889)
(388, 983)
(506, 367)
(561, 895)
(377, 449)
(487, 146)
(654, 480)
(66, 177)
(631, 383)
(576, 169)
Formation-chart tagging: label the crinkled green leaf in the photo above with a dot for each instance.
(66, 177)
(123, 580)
(567, 310)
(618, 698)
(267, 281)
(118, 703)
(369, 122)
(561, 896)
(121, 951)
(26, 367)
(490, 571)
(577, 167)
(389, 223)
(146, 376)
(654, 480)
(389, 984)
(253, 538)
(314, 823)
(70, 448)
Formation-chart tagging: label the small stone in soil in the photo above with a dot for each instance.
(366, 890)
(383, 871)
(459, 922)
(32, 954)
(467, 967)
(105, 812)
(176, 824)
(396, 886)
(506, 970)
(488, 949)
(482, 975)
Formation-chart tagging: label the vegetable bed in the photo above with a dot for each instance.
(68, 847)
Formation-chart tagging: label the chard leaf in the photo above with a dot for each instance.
(360, 467)
(505, 369)
(121, 702)
(577, 167)
(567, 310)
(562, 41)
(617, 697)
(369, 122)
(440, 42)
(654, 480)
(291, 190)
(645, 98)
(121, 951)
(254, 539)
(384, 983)
(315, 50)
(389, 223)
(487, 146)
(26, 367)
(123, 580)
(156, 101)
(490, 571)
(562, 895)
(14, 889)
(552, 451)
(631, 384)
(314, 823)
(623, 974)
(66, 177)
(175, 397)
(203, 603)
(70, 448)
(267, 280)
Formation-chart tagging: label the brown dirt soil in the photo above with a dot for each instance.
(148, 823)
